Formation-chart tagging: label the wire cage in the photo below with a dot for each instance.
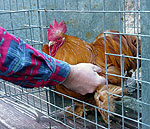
(29, 20)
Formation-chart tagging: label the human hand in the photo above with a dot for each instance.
(83, 78)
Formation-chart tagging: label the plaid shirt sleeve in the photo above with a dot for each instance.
(23, 65)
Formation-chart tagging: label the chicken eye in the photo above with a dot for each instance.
(59, 38)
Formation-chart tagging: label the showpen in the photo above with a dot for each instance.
(48, 108)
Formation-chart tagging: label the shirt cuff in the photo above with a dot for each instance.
(60, 72)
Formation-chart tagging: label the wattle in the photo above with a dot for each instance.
(53, 50)
(55, 47)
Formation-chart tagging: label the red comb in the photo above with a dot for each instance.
(61, 27)
(55, 24)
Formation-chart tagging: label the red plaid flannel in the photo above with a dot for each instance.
(23, 65)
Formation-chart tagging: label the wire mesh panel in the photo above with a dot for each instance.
(116, 105)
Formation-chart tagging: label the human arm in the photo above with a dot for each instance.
(23, 65)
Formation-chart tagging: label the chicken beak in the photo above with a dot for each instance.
(63, 38)
(51, 43)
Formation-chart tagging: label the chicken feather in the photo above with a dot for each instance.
(74, 50)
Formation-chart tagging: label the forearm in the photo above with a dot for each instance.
(23, 65)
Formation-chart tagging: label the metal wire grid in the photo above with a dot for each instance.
(34, 31)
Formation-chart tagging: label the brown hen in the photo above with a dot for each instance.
(74, 50)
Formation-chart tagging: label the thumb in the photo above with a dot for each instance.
(96, 69)
(101, 80)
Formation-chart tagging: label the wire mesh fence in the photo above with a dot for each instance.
(29, 20)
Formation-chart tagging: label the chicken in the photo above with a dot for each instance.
(74, 50)
(129, 44)
(128, 48)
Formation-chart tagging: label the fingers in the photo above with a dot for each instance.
(101, 80)
(83, 78)
(96, 69)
